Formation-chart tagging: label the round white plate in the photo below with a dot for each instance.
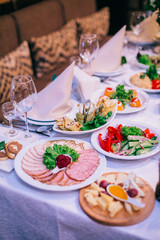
(122, 69)
(143, 126)
(127, 81)
(29, 180)
(144, 98)
(71, 115)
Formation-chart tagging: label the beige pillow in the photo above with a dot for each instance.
(50, 50)
(15, 63)
(97, 23)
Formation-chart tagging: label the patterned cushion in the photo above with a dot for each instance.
(15, 63)
(97, 23)
(50, 50)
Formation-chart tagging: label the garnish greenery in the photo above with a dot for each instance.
(122, 95)
(97, 121)
(142, 76)
(2, 145)
(144, 59)
(152, 72)
(126, 131)
(123, 60)
(51, 153)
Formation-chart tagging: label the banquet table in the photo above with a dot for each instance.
(31, 213)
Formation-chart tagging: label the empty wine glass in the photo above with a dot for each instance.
(23, 95)
(136, 18)
(9, 111)
(88, 47)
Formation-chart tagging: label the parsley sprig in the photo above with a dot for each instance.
(122, 95)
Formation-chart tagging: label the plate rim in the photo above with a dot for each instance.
(95, 143)
(121, 69)
(54, 188)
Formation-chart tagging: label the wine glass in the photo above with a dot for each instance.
(88, 47)
(136, 18)
(9, 111)
(23, 95)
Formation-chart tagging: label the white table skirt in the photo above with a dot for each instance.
(30, 213)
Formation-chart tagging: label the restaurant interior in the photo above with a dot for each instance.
(79, 119)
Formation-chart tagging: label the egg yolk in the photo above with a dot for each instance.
(135, 102)
(108, 91)
(120, 106)
(118, 191)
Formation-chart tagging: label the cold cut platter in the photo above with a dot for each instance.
(60, 164)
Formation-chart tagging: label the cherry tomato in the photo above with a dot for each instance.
(120, 106)
(135, 102)
(108, 91)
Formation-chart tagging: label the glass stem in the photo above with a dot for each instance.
(27, 133)
(11, 130)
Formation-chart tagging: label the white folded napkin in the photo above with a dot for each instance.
(109, 55)
(85, 84)
(54, 100)
(149, 28)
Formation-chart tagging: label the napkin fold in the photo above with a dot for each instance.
(109, 55)
(149, 28)
(85, 85)
(54, 100)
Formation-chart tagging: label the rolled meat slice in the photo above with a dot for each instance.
(81, 170)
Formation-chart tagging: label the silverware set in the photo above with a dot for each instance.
(44, 130)
(104, 79)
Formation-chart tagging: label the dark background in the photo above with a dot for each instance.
(119, 9)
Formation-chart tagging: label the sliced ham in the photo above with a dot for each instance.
(59, 176)
(39, 150)
(35, 168)
(31, 160)
(81, 170)
(35, 173)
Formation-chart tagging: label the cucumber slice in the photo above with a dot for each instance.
(153, 141)
(133, 151)
(114, 147)
(143, 151)
(132, 144)
(125, 147)
(145, 145)
(124, 143)
(135, 138)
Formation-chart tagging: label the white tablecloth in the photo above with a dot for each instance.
(30, 213)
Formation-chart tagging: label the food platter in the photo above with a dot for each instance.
(34, 183)
(143, 126)
(72, 116)
(128, 82)
(143, 97)
(122, 218)
(120, 70)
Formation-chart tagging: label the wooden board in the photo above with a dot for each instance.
(122, 218)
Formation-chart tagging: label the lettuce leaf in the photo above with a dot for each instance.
(51, 154)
